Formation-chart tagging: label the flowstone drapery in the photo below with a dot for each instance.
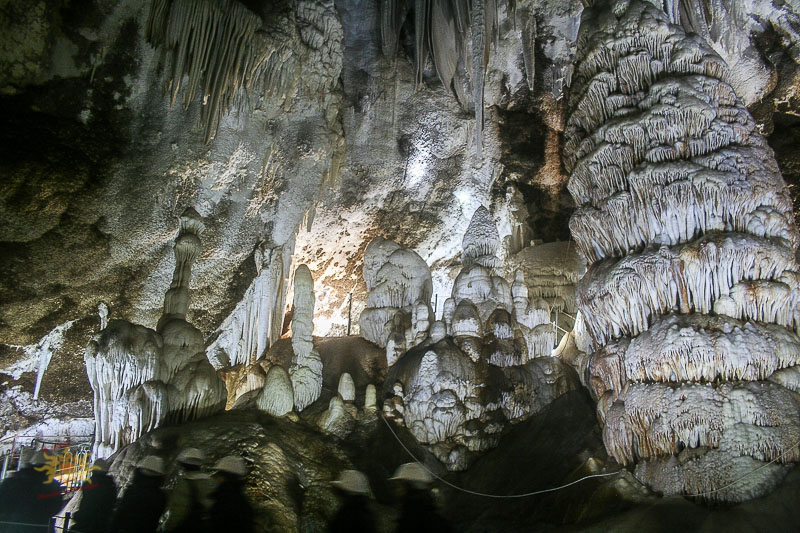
(142, 377)
(256, 321)
(691, 300)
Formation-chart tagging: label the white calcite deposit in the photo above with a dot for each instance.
(690, 303)
(306, 369)
(486, 364)
(142, 377)
(277, 396)
(398, 312)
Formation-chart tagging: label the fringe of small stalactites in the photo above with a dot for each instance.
(755, 419)
(217, 46)
(735, 274)
(697, 348)
(712, 476)
(457, 36)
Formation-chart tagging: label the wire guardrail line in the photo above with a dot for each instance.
(553, 489)
(483, 494)
(560, 328)
(47, 526)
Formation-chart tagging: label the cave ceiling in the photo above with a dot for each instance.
(321, 145)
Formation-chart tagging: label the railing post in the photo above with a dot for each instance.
(19, 458)
(5, 466)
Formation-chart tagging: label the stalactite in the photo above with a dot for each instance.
(392, 16)
(422, 24)
(216, 46)
(445, 43)
(455, 34)
(478, 62)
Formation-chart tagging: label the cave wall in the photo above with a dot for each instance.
(96, 165)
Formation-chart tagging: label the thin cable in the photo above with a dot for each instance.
(499, 496)
(729, 485)
(734, 482)
(24, 524)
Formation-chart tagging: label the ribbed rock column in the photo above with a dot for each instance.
(691, 300)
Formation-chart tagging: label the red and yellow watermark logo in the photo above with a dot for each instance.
(66, 467)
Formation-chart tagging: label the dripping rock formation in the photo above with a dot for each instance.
(524, 242)
(690, 300)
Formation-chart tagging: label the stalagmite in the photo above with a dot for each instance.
(337, 419)
(550, 272)
(447, 314)
(398, 313)
(347, 389)
(142, 377)
(690, 301)
(277, 396)
(306, 369)
(438, 331)
(187, 247)
(194, 389)
(481, 240)
(370, 398)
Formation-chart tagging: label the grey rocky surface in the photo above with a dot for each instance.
(96, 166)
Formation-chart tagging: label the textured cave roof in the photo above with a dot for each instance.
(96, 165)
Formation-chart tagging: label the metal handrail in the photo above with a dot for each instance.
(16, 437)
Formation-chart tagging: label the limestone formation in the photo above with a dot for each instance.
(347, 389)
(256, 321)
(370, 399)
(479, 293)
(457, 36)
(277, 396)
(458, 406)
(306, 369)
(550, 272)
(485, 365)
(217, 46)
(690, 302)
(337, 419)
(142, 377)
(123, 363)
(398, 313)
(481, 241)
